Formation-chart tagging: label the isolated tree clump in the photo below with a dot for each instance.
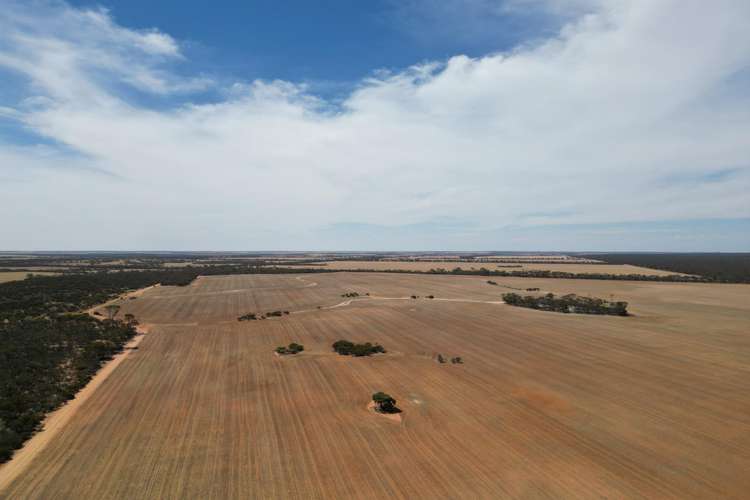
(570, 303)
(292, 348)
(385, 403)
(347, 348)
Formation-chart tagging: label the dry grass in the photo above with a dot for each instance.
(344, 265)
(20, 275)
(546, 405)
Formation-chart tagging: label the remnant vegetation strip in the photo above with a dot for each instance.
(55, 421)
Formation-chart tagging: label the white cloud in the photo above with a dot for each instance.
(584, 125)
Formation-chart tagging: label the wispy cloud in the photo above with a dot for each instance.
(580, 127)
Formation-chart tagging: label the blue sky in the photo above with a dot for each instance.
(419, 124)
(332, 42)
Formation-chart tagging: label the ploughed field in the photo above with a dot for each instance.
(385, 265)
(546, 405)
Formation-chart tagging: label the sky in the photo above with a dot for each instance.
(567, 125)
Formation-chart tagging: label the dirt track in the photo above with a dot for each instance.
(545, 405)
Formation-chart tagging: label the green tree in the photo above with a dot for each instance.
(384, 402)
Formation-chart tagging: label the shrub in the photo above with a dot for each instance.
(570, 303)
(247, 317)
(385, 403)
(347, 348)
(292, 348)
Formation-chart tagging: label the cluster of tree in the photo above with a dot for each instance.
(538, 273)
(292, 348)
(456, 360)
(570, 303)
(347, 348)
(44, 361)
(384, 403)
(719, 267)
(256, 316)
(532, 289)
(490, 282)
(350, 294)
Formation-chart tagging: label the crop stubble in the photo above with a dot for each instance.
(545, 405)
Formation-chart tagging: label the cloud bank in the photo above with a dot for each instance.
(635, 111)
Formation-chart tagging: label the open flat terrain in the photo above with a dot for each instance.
(20, 275)
(546, 405)
(384, 265)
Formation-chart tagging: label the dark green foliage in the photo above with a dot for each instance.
(721, 267)
(350, 294)
(346, 348)
(567, 304)
(385, 403)
(292, 348)
(440, 358)
(274, 313)
(559, 274)
(490, 282)
(44, 362)
(413, 296)
(532, 289)
(430, 297)
(247, 317)
(457, 360)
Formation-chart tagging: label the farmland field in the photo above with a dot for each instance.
(546, 405)
(343, 265)
(20, 275)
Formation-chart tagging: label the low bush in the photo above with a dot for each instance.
(347, 348)
(292, 348)
(570, 303)
(385, 403)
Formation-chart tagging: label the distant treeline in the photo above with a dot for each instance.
(537, 274)
(570, 303)
(718, 267)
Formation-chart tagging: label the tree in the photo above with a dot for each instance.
(384, 403)
(130, 319)
(295, 348)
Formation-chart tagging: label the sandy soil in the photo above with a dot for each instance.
(21, 275)
(59, 418)
(544, 406)
(393, 417)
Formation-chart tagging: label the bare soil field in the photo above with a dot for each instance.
(20, 275)
(345, 265)
(546, 405)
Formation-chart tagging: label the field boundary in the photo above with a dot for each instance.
(54, 422)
